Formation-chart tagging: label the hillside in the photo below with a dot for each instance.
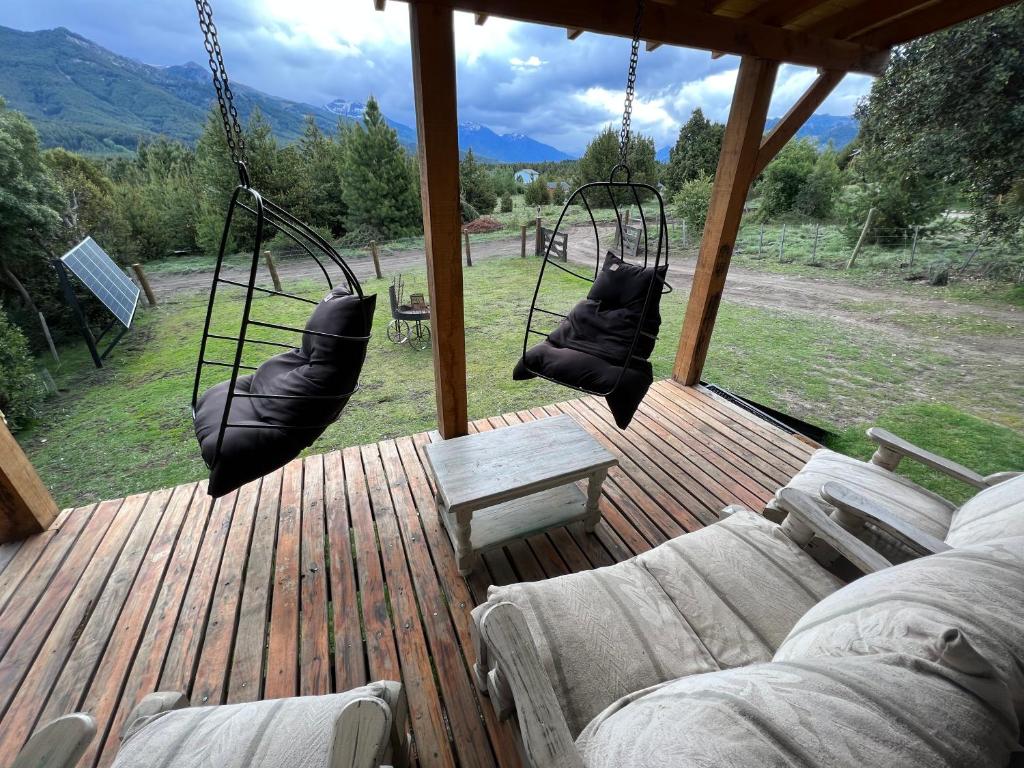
(83, 97)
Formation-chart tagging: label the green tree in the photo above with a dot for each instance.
(506, 203)
(786, 176)
(20, 388)
(216, 177)
(89, 206)
(696, 151)
(949, 110)
(378, 185)
(536, 192)
(30, 202)
(319, 183)
(816, 198)
(602, 155)
(476, 184)
(691, 202)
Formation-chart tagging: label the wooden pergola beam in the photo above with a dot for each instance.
(480, 19)
(862, 17)
(26, 506)
(572, 34)
(925, 21)
(432, 34)
(741, 144)
(797, 115)
(781, 12)
(379, 4)
(687, 25)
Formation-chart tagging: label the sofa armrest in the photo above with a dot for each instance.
(58, 744)
(807, 518)
(362, 734)
(865, 510)
(892, 448)
(547, 741)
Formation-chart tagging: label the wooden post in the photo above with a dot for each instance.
(538, 248)
(782, 244)
(273, 270)
(684, 234)
(376, 259)
(469, 256)
(49, 337)
(913, 246)
(860, 240)
(522, 236)
(740, 146)
(760, 241)
(26, 506)
(433, 66)
(814, 246)
(144, 282)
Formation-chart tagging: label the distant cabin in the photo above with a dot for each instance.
(526, 176)
(563, 185)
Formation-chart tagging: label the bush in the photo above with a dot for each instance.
(21, 390)
(558, 195)
(506, 203)
(536, 192)
(692, 200)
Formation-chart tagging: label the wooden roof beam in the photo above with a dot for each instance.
(650, 45)
(779, 13)
(686, 25)
(479, 19)
(572, 34)
(379, 4)
(862, 17)
(797, 115)
(929, 19)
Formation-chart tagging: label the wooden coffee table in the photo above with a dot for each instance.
(510, 483)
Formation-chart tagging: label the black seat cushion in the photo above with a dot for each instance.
(589, 347)
(323, 367)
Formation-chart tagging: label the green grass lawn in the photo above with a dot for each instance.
(126, 428)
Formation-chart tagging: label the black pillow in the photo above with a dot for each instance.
(621, 284)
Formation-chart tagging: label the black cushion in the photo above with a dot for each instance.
(590, 347)
(323, 367)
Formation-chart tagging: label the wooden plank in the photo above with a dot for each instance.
(786, 128)
(209, 685)
(26, 506)
(183, 652)
(245, 683)
(34, 586)
(779, 13)
(926, 20)
(381, 653)
(740, 146)
(71, 686)
(25, 559)
(433, 66)
(315, 652)
(27, 698)
(349, 654)
(862, 17)
(7, 553)
(432, 747)
(145, 673)
(689, 25)
(283, 644)
(104, 693)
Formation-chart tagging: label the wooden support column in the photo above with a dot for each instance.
(433, 66)
(26, 506)
(735, 173)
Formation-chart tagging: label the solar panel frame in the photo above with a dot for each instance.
(105, 280)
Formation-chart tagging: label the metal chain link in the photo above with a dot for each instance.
(627, 111)
(225, 99)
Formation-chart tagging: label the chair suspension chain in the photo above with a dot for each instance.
(627, 111)
(225, 98)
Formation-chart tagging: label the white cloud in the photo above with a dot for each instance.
(525, 65)
(648, 114)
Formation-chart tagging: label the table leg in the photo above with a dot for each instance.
(463, 543)
(593, 498)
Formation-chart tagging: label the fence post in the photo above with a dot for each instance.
(684, 234)
(538, 247)
(860, 240)
(144, 282)
(522, 236)
(760, 241)
(814, 246)
(49, 338)
(782, 244)
(273, 270)
(377, 259)
(913, 246)
(469, 258)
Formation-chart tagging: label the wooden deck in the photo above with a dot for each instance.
(335, 571)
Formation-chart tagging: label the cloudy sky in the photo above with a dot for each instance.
(514, 78)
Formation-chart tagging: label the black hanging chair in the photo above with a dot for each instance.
(603, 345)
(254, 423)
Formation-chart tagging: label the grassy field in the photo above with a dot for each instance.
(126, 428)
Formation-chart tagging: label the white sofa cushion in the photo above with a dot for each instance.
(720, 597)
(978, 590)
(264, 734)
(994, 513)
(907, 500)
(950, 709)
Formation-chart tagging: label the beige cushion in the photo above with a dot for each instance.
(948, 710)
(264, 734)
(723, 596)
(994, 513)
(978, 590)
(910, 502)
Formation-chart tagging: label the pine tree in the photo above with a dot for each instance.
(216, 177)
(377, 179)
(696, 151)
(319, 181)
(602, 155)
(476, 184)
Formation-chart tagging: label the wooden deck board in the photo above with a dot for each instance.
(335, 571)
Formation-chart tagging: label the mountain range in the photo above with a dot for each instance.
(86, 98)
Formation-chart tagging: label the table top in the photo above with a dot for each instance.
(487, 468)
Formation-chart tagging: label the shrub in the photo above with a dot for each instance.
(692, 200)
(536, 192)
(21, 390)
(506, 203)
(558, 195)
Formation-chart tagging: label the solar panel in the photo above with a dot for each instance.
(104, 278)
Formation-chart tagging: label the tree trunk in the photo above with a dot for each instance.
(12, 280)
